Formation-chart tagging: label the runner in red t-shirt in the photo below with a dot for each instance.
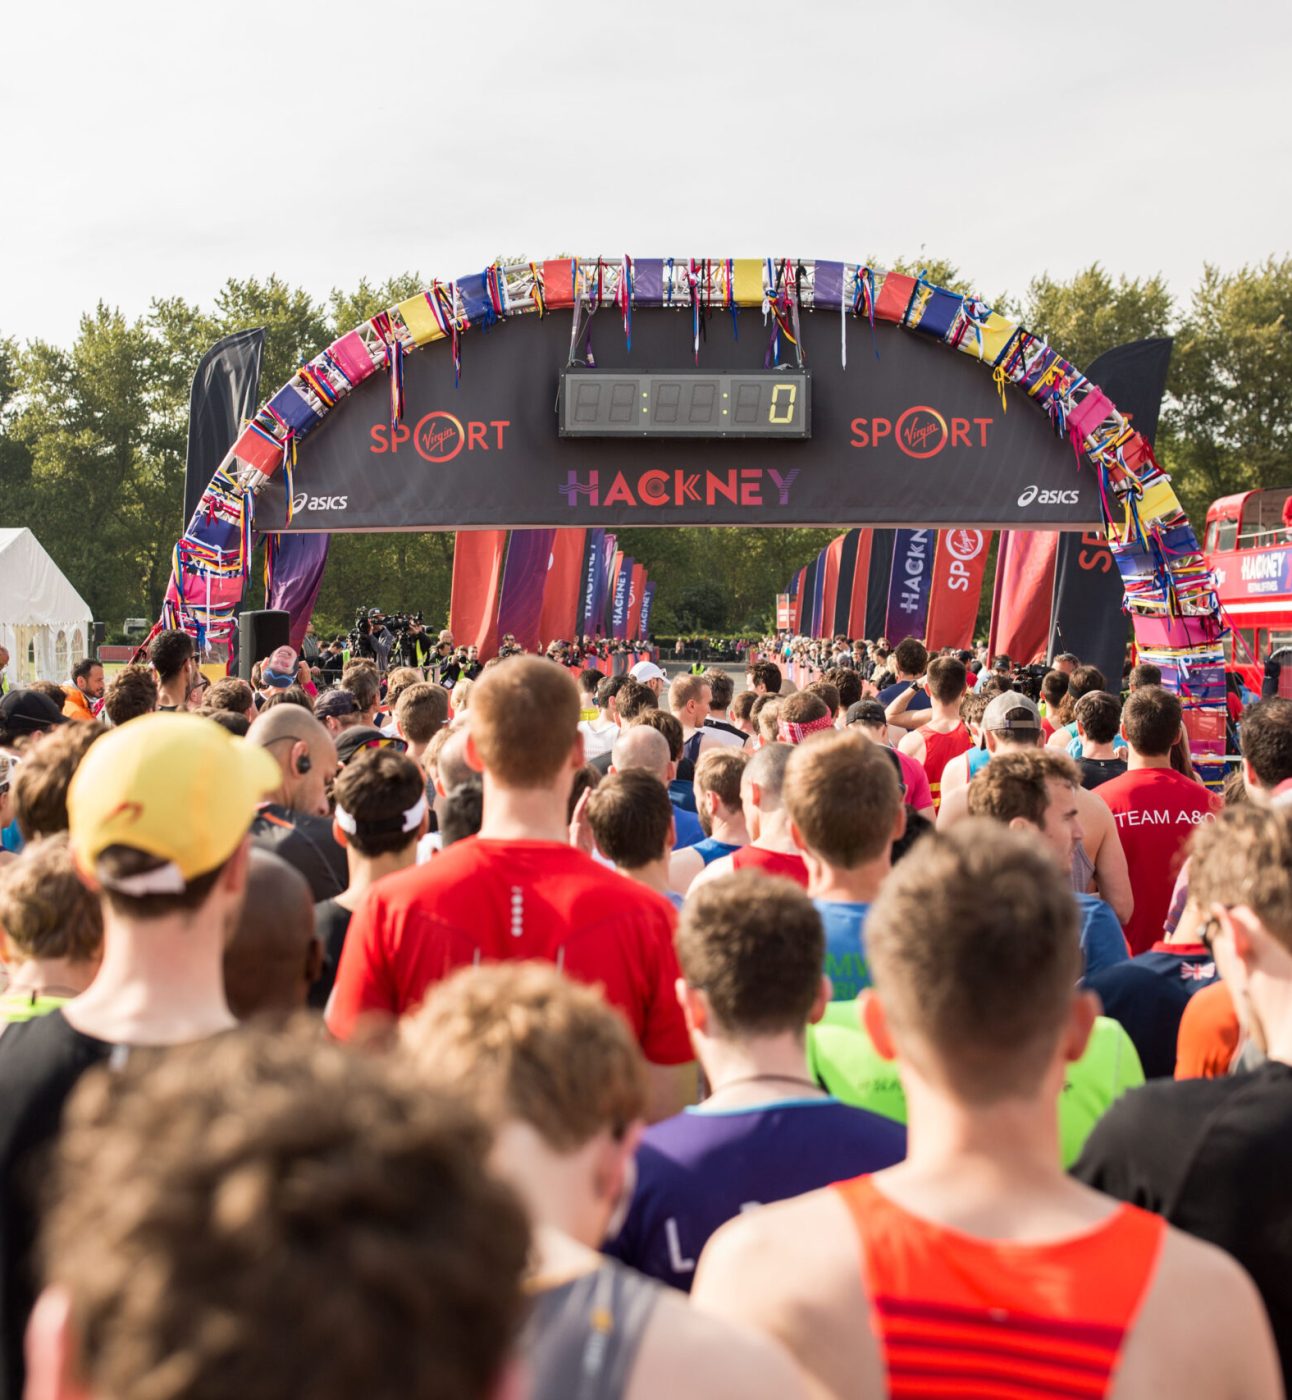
(520, 890)
(944, 737)
(771, 846)
(1155, 808)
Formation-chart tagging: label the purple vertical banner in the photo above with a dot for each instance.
(619, 602)
(523, 575)
(607, 585)
(910, 584)
(296, 575)
(648, 597)
(590, 582)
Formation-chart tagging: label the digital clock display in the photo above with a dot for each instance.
(684, 403)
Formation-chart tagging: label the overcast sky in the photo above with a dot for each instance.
(157, 149)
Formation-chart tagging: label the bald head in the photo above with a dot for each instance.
(305, 754)
(274, 955)
(641, 746)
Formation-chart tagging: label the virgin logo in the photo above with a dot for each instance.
(921, 432)
(964, 545)
(439, 437)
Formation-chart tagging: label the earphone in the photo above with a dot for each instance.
(303, 765)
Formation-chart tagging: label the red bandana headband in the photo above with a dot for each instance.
(789, 733)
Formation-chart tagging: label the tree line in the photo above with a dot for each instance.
(93, 435)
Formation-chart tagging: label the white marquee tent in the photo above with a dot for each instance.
(45, 624)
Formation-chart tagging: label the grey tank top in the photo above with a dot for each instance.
(581, 1339)
(1083, 869)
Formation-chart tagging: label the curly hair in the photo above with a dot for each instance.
(41, 782)
(216, 1200)
(45, 910)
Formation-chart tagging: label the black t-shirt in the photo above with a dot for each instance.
(1099, 770)
(1148, 994)
(330, 924)
(40, 1063)
(306, 843)
(1214, 1156)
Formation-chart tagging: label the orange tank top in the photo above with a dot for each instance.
(939, 750)
(958, 1317)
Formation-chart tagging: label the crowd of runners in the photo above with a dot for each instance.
(921, 1031)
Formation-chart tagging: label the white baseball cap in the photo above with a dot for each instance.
(647, 671)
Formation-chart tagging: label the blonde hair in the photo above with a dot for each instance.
(461, 697)
(524, 1042)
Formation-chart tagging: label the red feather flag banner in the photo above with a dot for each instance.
(558, 621)
(830, 590)
(860, 583)
(1020, 612)
(959, 563)
(477, 585)
(636, 596)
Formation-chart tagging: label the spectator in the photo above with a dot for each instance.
(845, 809)
(380, 817)
(273, 957)
(421, 711)
(772, 848)
(562, 1084)
(1155, 809)
(170, 886)
(951, 1264)
(751, 957)
(1213, 1155)
(51, 931)
(1098, 716)
(721, 817)
(42, 779)
(296, 821)
(520, 890)
(1035, 794)
(1066, 663)
(85, 691)
(632, 821)
(174, 659)
(131, 693)
(283, 1189)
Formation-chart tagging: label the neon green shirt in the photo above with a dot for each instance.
(842, 1057)
(22, 1006)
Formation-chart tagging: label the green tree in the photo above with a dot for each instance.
(1231, 419)
(1090, 313)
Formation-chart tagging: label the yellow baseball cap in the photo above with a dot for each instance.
(175, 786)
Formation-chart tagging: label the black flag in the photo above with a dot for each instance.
(224, 393)
(881, 565)
(847, 573)
(1086, 617)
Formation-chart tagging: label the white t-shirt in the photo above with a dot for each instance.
(598, 737)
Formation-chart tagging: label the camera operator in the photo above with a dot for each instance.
(414, 645)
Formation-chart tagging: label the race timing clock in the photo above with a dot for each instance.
(774, 403)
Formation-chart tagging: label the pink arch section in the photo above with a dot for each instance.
(1169, 591)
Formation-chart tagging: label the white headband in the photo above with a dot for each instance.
(412, 818)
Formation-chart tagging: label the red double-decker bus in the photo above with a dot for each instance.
(1248, 543)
